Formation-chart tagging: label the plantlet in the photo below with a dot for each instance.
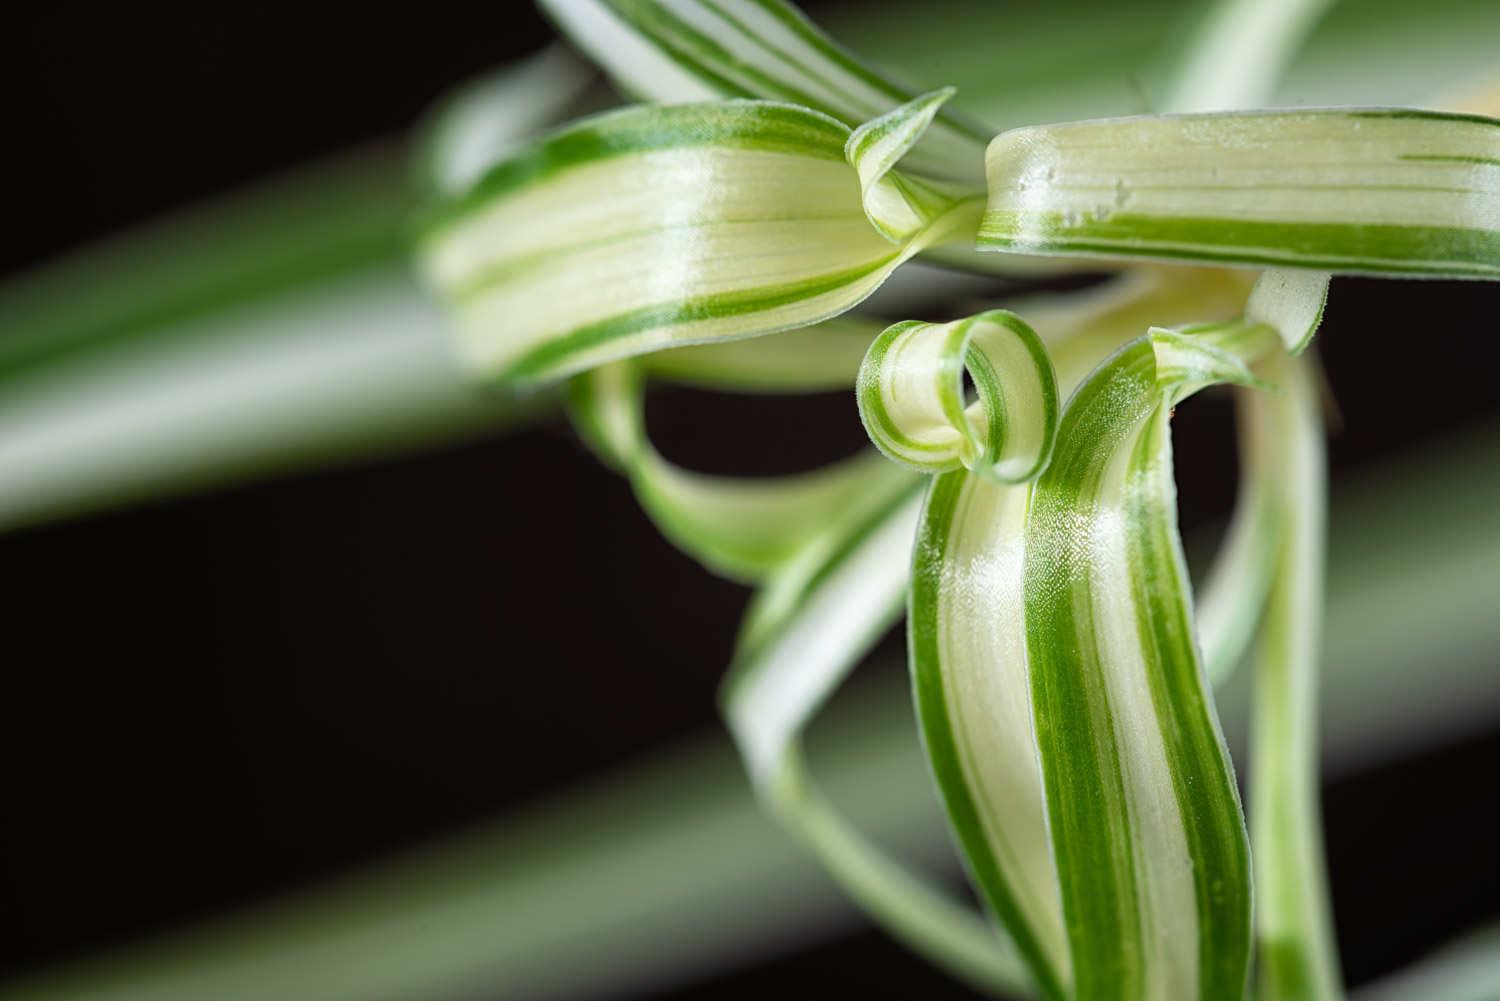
(1062, 672)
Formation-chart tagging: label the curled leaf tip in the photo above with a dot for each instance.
(912, 399)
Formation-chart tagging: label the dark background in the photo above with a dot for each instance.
(211, 699)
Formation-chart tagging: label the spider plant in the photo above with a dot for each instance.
(1062, 675)
(1017, 501)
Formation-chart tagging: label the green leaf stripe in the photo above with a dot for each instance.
(1368, 191)
(704, 49)
(808, 626)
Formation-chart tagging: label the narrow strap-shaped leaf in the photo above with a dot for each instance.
(966, 633)
(697, 50)
(1297, 957)
(1145, 821)
(1377, 191)
(655, 227)
(811, 622)
(739, 527)
(911, 396)
(1233, 597)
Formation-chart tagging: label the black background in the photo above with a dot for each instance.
(211, 699)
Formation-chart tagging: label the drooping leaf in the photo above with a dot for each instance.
(1372, 191)
(743, 528)
(818, 615)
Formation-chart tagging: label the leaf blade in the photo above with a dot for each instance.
(658, 227)
(1381, 191)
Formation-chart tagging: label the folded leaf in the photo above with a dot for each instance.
(1375, 191)
(743, 528)
(654, 227)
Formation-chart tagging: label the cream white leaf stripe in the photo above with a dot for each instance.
(1380, 191)
(695, 50)
(650, 228)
